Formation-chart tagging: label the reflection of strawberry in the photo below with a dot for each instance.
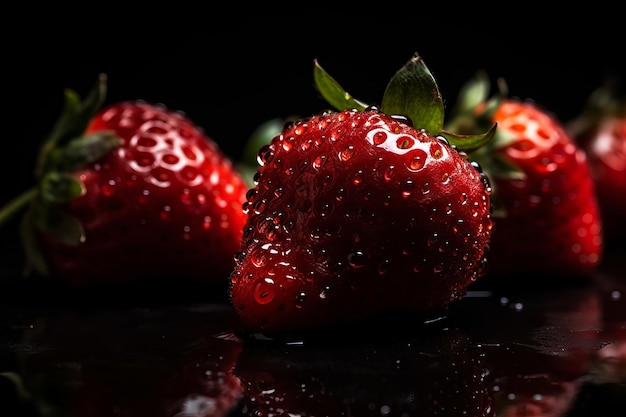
(539, 346)
(545, 208)
(358, 213)
(437, 374)
(600, 130)
(127, 363)
(130, 192)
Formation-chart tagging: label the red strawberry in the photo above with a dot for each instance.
(546, 213)
(600, 130)
(357, 213)
(130, 192)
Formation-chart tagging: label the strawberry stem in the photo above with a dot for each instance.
(17, 204)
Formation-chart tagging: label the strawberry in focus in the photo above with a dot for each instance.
(357, 213)
(546, 214)
(131, 192)
(600, 129)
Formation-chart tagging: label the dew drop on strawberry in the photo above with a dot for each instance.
(357, 259)
(264, 291)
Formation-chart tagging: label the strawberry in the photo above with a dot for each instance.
(600, 129)
(358, 213)
(546, 214)
(131, 192)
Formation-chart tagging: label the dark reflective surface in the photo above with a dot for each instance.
(521, 349)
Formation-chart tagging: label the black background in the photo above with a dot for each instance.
(230, 74)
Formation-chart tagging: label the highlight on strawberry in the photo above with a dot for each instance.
(127, 193)
(362, 212)
(546, 215)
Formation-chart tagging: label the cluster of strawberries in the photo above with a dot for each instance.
(360, 211)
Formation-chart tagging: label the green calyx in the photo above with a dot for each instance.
(66, 149)
(473, 112)
(411, 92)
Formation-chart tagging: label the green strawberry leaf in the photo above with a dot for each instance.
(59, 187)
(413, 92)
(73, 121)
(84, 150)
(332, 92)
(470, 143)
(35, 259)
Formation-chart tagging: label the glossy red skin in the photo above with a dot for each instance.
(605, 145)
(552, 224)
(332, 237)
(166, 204)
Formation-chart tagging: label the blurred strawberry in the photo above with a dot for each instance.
(600, 129)
(130, 193)
(546, 215)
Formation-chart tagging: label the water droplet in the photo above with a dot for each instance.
(383, 267)
(357, 259)
(341, 193)
(324, 293)
(379, 137)
(389, 173)
(418, 159)
(259, 206)
(206, 223)
(186, 232)
(407, 188)
(265, 154)
(300, 129)
(346, 154)
(436, 151)
(358, 177)
(319, 161)
(288, 144)
(165, 213)
(300, 299)
(143, 198)
(405, 142)
(326, 209)
(264, 291)
(486, 183)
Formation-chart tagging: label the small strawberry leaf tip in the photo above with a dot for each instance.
(73, 121)
(470, 143)
(333, 92)
(413, 92)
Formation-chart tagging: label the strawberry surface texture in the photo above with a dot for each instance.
(357, 213)
(132, 192)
